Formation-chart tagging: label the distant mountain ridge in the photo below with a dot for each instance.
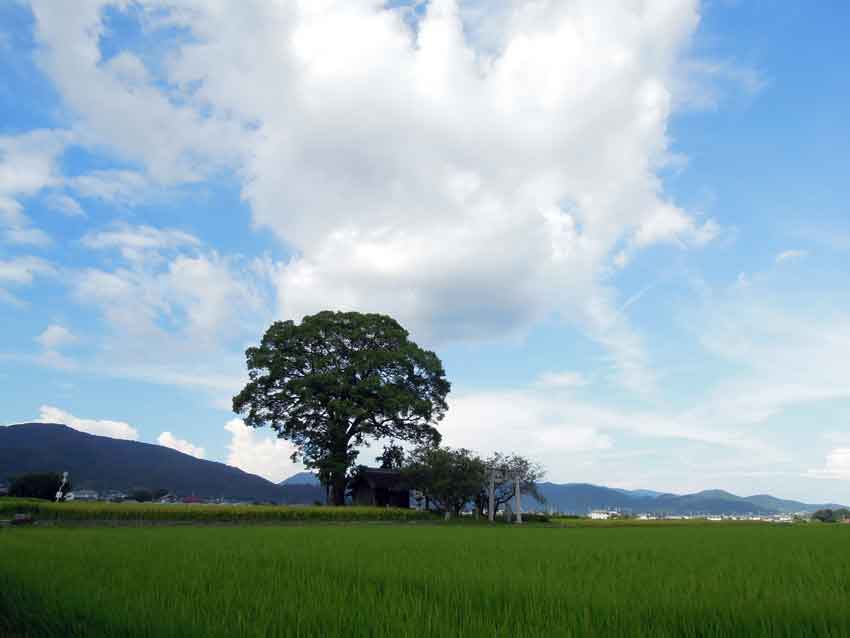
(101, 463)
(302, 478)
(580, 498)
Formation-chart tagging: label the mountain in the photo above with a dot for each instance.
(302, 478)
(580, 498)
(786, 506)
(103, 463)
(642, 493)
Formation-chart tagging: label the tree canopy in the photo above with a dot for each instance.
(38, 486)
(448, 478)
(338, 380)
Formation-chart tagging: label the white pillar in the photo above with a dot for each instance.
(518, 506)
(491, 513)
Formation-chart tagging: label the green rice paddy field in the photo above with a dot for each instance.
(410, 579)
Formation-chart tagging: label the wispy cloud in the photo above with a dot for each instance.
(793, 254)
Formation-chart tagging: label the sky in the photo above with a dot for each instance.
(623, 226)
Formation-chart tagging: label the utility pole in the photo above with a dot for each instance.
(59, 494)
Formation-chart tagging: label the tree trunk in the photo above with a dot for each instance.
(338, 489)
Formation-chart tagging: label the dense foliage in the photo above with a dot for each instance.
(832, 516)
(44, 486)
(447, 478)
(338, 380)
(404, 580)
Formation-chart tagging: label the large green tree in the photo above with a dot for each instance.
(338, 380)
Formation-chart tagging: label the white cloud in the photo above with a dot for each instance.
(837, 466)
(181, 445)
(21, 271)
(174, 141)
(114, 429)
(176, 312)
(56, 336)
(27, 165)
(56, 360)
(111, 185)
(565, 379)
(27, 236)
(705, 83)
(791, 255)
(202, 295)
(778, 354)
(138, 242)
(65, 205)
(257, 452)
(469, 176)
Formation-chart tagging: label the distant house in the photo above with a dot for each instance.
(4, 488)
(192, 500)
(381, 488)
(82, 495)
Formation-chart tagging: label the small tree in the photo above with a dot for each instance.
(510, 466)
(449, 478)
(43, 486)
(142, 495)
(338, 380)
(824, 515)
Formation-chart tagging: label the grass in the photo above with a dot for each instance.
(147, 513)
(434, 580)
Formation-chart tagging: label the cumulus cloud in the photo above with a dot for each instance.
(258, 452)
(176, 312)
(201, 294)
(56, 336)
(181, 445)
(466, 171)
(837, 466)
(114, 429)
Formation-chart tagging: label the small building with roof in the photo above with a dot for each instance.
(379, 488)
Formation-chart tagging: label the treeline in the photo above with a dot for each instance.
(450, 480)
(832, 516)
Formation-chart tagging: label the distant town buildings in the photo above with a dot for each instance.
(82, 495)
(603, 515)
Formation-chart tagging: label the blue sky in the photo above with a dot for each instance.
(623, 228)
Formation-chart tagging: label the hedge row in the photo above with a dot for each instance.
(141, 512)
